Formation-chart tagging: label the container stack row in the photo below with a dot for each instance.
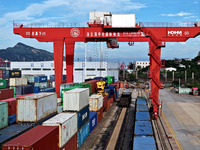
(143, 132)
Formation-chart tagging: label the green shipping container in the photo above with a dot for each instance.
(14, 88)
(84, 85)
(110, 79)
(141, 98)
(3, 84)
(3, 114)
(41, 84)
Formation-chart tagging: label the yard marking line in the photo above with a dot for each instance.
(184, 124)
(172, 131)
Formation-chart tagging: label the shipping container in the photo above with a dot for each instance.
(105, 102)
(18, 81)
(13, 131)
(30, 78)
(99, 115)
(52, 77)
(40, 137)
(66, 85)
(143, 128)
(145, 143)
(40, 79)
(14, 88)
(71, 144)
(125, 98)
(112, 98)
(12, 119)
(3, 84)
(93, 121)
(84, 85)
(108, 105)
(37, 89)
(67, 123)
(108, 92)
(82, 134)
(141, 102)
(96, 102)
(123, 20)
(83, 116)
(59, 109)
(6, 93)
(112, 89)
(93, 85)
(3, 114)
(76, 99)
(141, 107)
(12, 104)
(110, 79)
(67, 89)
(11, 74)
(36, 107)
(25, 89)
(142, 116)
(41, 84)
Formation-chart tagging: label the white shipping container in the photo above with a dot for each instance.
(36, 107)
(41, 84)
(123, 20)
(98, 16)
(18, 81)
(96, 102)
(75, 99)
(53, 84)
(67, 123)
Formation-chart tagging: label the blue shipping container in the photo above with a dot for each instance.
(82, 134)
(93, 121)
(11, 119)
(40, 79)
(47, 90)
(142, 116)
(83, 116)
(143, 128)
(143, 102)
(36, 89)
(144, 143)
(11, 132)
(112, 89)
(52, 77)
(141, 107)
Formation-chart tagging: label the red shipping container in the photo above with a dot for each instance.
(93, 85)
(108, 105)
(71, 144)
(99, 114)
(40, 137)
(12, 104)
(121, 85)
(112, 98)
(105, 101)
(6, 93)
(1, 73)
(117, 84)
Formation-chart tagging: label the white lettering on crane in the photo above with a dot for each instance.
(175, 33)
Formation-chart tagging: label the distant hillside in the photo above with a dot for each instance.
(22, 52)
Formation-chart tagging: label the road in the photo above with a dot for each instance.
(183, 114)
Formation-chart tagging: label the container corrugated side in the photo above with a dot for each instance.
(96, 102)
(3, 84)
(3, 114)
(143, 128)
(76, 99)
(18, 81)
(67, 123)
(6, 93)
(71, 144)
(36, 107)
(40, 137)
(82, 134)
(83, 116)
(93, 121)
(41, 84)
(123, 20)
(145, 143)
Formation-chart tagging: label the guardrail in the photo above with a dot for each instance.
(168, 24)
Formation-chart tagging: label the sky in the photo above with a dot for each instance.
(42, 11)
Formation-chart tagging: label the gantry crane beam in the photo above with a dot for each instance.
(68, 36)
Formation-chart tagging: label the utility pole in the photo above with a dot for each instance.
(192, 75)
(185, 76)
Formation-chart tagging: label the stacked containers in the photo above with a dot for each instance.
(112, 93)
(125, 99)
(110, 79)
(96, 105)
(40, 137)
(84, 85)
(6, 93)
(34, 108)
(66, 85)
(67, 128)
(40, 81)
(105, 101)
(77, 100)
(3, 115)
(93, 85)
(143, 133)
(3, 84)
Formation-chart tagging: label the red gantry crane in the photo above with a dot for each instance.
(110, 28)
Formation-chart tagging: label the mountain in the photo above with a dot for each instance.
(22, 52)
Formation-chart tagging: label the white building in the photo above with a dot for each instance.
(142, 64)
(81, 71)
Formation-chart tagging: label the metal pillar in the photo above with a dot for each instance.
(69, 51)
(155, 64)
(58, 64)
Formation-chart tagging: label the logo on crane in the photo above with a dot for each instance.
(75, 32)
(175, 33)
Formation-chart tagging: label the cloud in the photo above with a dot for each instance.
(180, 14)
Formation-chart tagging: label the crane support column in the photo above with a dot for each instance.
(69, 50)
(58, 64)
(155, 64)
